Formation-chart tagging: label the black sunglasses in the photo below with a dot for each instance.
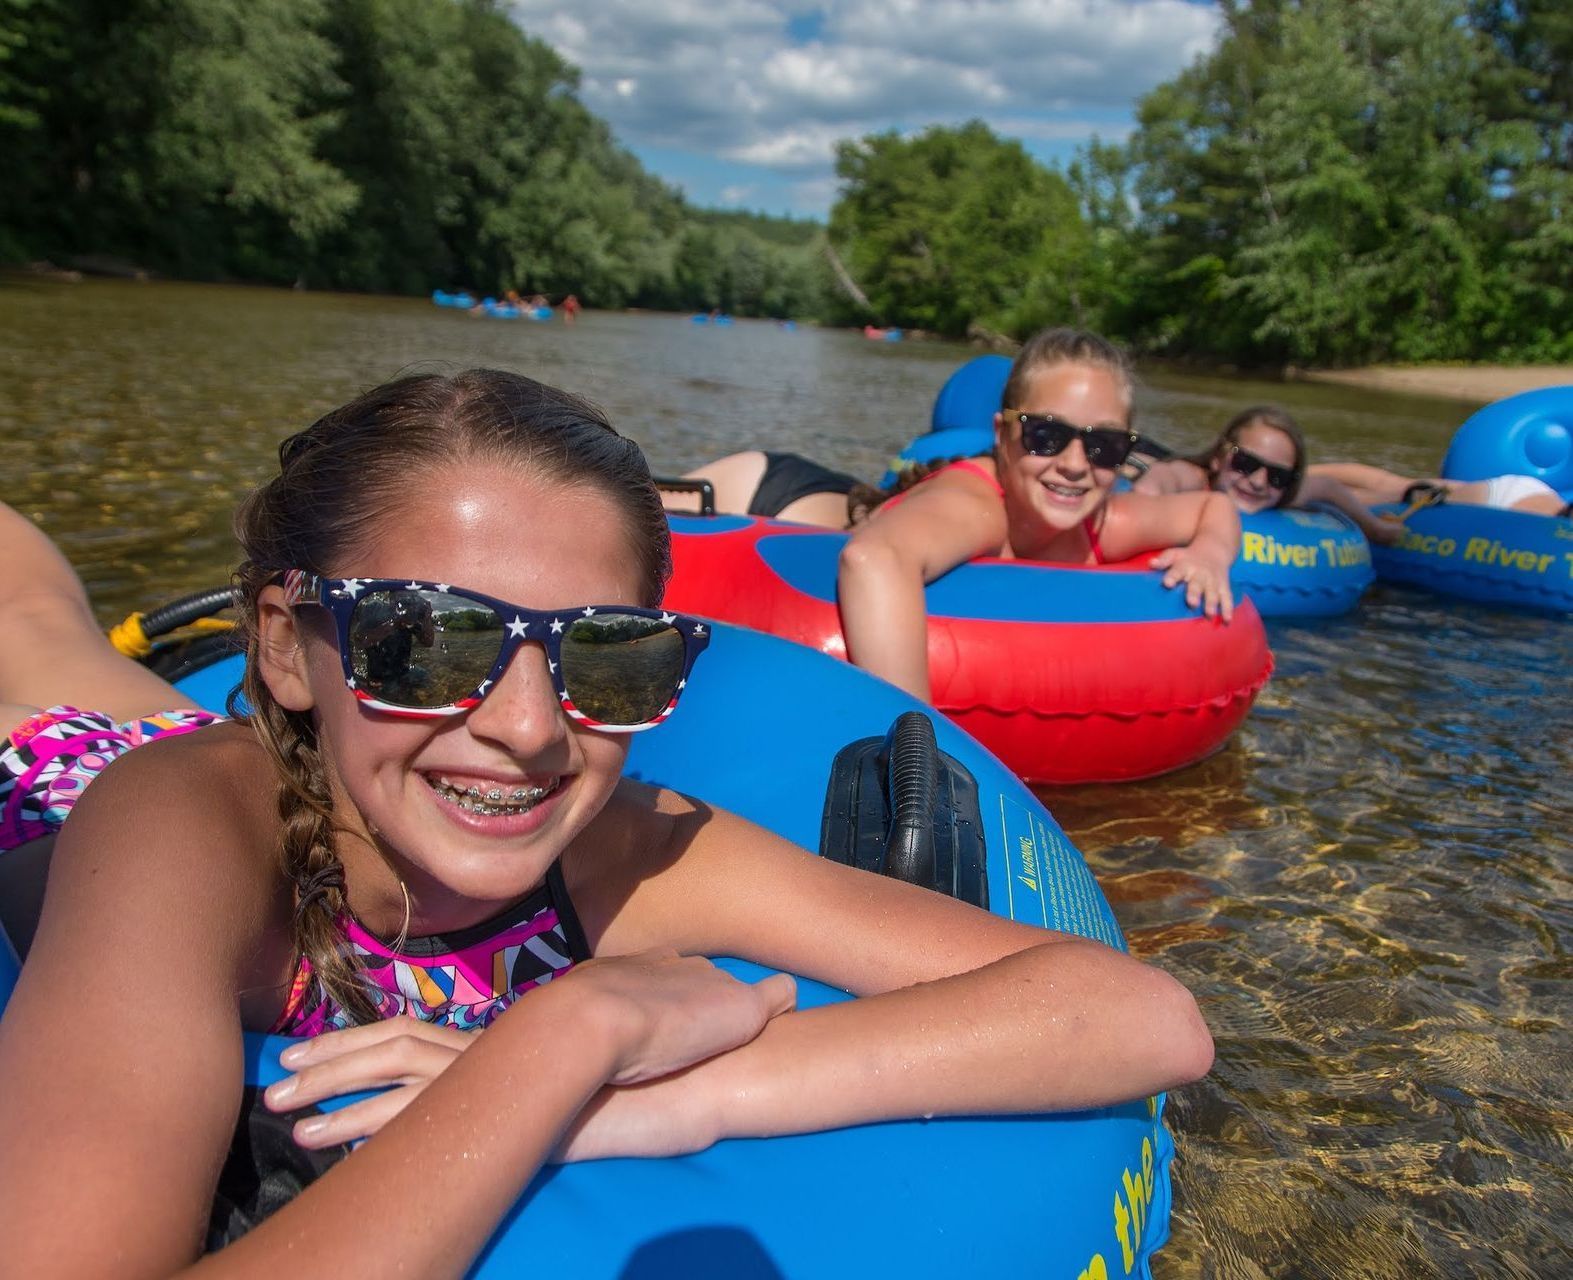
(1043, 435)
(431, 649)
(1247, 463)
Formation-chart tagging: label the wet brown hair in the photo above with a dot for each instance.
(1265, 415)
(1043, 350)
(339, 481)
(1051, 347)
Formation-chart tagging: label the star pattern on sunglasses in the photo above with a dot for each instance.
(408, 647)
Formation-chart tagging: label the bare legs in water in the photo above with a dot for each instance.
(52, 652)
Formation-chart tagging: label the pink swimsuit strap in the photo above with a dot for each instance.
(1089, 526)
(972, 468)
(961, 464)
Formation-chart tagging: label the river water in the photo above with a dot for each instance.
(1368, 889)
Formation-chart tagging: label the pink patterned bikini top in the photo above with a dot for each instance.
(461, 980)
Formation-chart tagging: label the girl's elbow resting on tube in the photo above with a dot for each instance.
(866, 558)
(1187, 1041)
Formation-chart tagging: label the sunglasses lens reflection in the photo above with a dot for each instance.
(428, 649)
(622, 668)
(422, 649)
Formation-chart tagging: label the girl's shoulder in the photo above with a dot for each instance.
(193, 799)
(1172, 475)
(170, 861)
(652, 862)
(971, 472)
(959, 485)
(222, 762)
(1134, 523)
(637, 832)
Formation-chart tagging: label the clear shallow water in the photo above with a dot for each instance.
(1369, 888)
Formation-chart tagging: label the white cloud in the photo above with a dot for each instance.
(725, 78)
(736, 194)
(808, 147)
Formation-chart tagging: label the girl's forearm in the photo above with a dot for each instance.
(1338, 495)
(1063, 1026)
(456, 1158)
(884, 617)
(1218, 528)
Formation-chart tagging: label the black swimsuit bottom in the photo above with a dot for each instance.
(788, 477)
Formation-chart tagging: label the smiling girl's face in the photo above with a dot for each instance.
(398, 781)
(1237, 473)
(1061, 491)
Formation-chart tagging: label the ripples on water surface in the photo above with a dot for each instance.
(1368, 889)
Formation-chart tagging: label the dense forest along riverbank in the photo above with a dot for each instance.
(1369, 889)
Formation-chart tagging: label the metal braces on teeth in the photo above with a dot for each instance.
(492, 802)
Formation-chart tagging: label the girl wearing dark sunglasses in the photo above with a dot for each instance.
(1259, 462)
(1045, 493)
(451, 603)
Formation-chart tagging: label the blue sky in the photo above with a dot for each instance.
(740, 102)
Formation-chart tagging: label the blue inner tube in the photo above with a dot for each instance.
(1530, 434)
(971, 396)
(1041, 1195)
(1302, 563)
(1484, 554)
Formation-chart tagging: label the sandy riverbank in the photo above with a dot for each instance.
(1479, 383)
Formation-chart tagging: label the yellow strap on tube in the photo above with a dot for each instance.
(129, 638)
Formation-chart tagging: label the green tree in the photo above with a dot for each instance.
(1331, 185)
(945, 229)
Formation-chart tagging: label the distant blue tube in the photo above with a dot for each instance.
(1484, 554)
(1530, 434)
(949, 442)
(972, 395)
(1301, 563)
